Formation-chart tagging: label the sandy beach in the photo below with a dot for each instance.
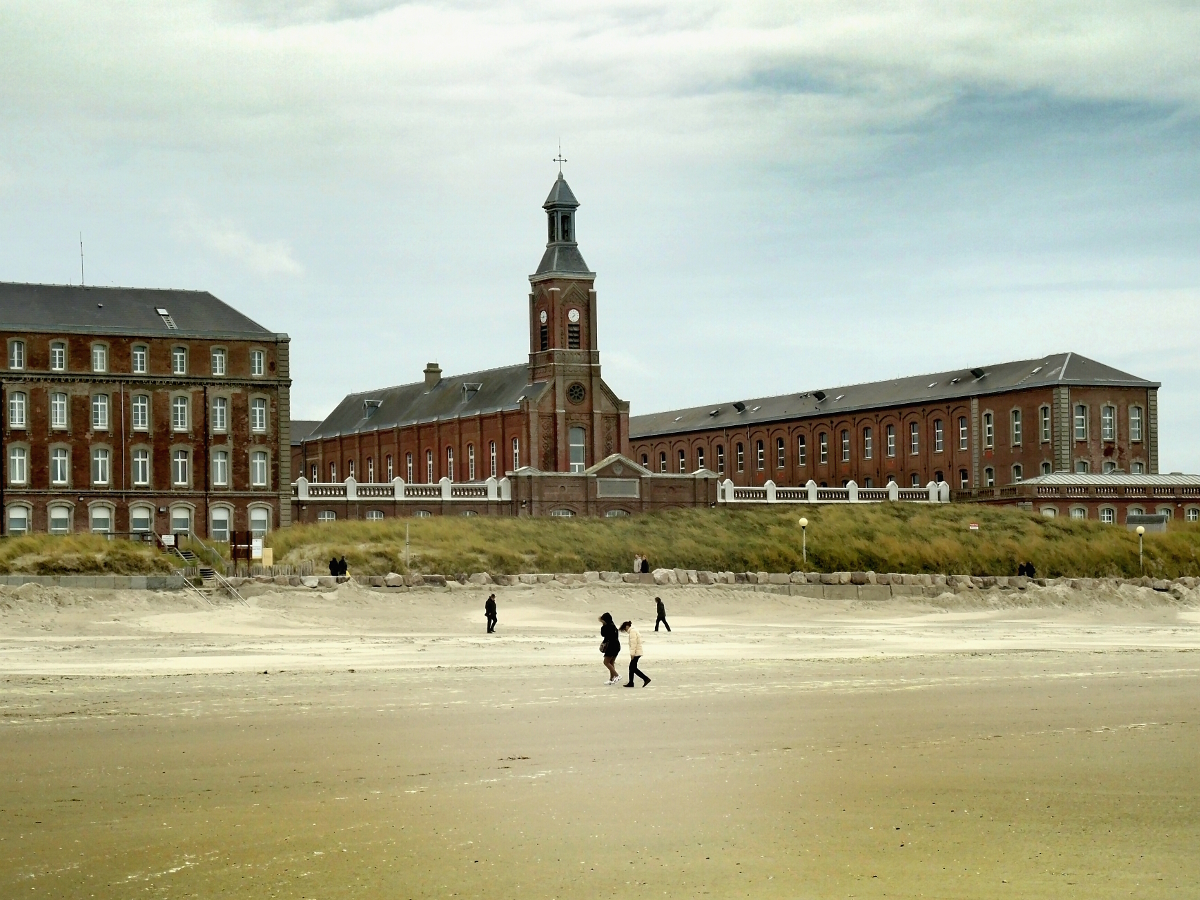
(358, 743)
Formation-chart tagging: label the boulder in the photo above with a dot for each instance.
(591, 576)
(327, 581)
(376, 581)
(883, 578)
(843, 577)
(610, 577)
(310, 581)
(938, 580)
(779, 578)
(461, 577)
(415, 579)
(664, 576)
(507, 580)
(631, 578)
(829, 578)
(1161, 584)
(544, 578)
(797, 578)
(814, 578)
(763, 578)
(681, 576)
(1020, 582)
(438, 580)
(527, 579)
(740, 578)
(1001, 581)
(264, 579)
(391, 579)
(481, 578)
(858, 577)
(703, 577)
(693, 577)
(987, 581)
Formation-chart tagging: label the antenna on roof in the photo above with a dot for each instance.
(81, 280)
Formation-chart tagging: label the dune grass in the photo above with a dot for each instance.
(880, 538)
(78, 554)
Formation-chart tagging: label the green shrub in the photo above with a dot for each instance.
(79, 554)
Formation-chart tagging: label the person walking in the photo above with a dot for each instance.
(635, 653)
(662, 614)
(610, 646)
(343, 569)
(637, 563)
(489, 610)
(333, 566)
(645, 566)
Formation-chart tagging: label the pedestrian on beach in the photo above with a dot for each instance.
(343, 569)
(489, 610)
(637, 562)
(635, 653)
(645, 566)
(333, 566)
(610, 646)
(662, 614)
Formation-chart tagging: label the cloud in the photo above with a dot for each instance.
(263, 258)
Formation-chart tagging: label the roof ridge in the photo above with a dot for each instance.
(393, 387)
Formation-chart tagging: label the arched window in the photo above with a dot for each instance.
(845, 445)
(1108, 423)
(801, 451)
(780, 454)
(450, 463)
(577, 438)
(741, 457)
(868, 446)
(429, 467)
(720, 459)
(939, 436)
(16, 409)
(989, 477)
(682, 461)
(219, 529)
(760, 455)
(370, 470)
(662, 461)
(1016, 473)
(699, 457)
(823, 447)
(470, 462)
(964, 479)
(492, 457)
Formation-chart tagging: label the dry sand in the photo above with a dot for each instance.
(369, 744)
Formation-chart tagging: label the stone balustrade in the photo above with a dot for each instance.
(812, 493)
(495, 490)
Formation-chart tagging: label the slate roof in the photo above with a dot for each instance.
(563, 259)
(120, 310)
(301, 429)
(560, 195)
(450, 398)
(1057, 369)
(1112, 479)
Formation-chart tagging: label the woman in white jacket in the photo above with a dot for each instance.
(635, 653)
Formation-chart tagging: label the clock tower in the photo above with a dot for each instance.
(586, 422)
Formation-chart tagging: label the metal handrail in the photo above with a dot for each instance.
(225, 583)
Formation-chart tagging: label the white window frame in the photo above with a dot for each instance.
(780, 453)
(220, 468)
(327, 515)
(1083, 467)
(1137, 468)
(100, 416)
(220, 415)
(699, 458)
(989, 477)
(891, 441)
(258, 415)
(914, 439)
(259, 469)
(1135, 424)
(760, 454)
(101, 466)
(989, 431)
(1079, 512)
(16, 355)
(140, 359)
(408, 467)
(492, 458)
(60, 466)
(18, 465)
(58, 507)
(59, 410)
(219, 361)
(18, 405)
(682, 461)
(108, 513)
(1108, 515)
(1017, 472)
(1044, 416)
(181, 469)
(1080, 418)
(662, 462)
(99, 357)
(179, 360)
(429, 467)
(450, 463)
(939, 436)
(1108, 423)
(226, 516)
(1014, 418)
(258, 363)
(868, 444)
(823, 445)
(741, 457)
(390, 474)
(962, 433)
(801, 451)
(58, 356)
(370, 470)
(845, 445)
(720, 459)
(470, 462)
(140, 467)
(180, 414)
(139, 412)
(516, 451)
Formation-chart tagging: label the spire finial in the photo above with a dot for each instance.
(560, 159)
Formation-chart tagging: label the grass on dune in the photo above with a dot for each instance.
(78, 554)
(880, 538)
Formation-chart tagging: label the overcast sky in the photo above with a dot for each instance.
(775, 196)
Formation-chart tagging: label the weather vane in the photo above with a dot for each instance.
(560, 159)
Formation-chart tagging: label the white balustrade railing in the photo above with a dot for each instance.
(498, 490)
(934, 492)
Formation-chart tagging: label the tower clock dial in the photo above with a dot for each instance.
(573, 316)
(542, 317)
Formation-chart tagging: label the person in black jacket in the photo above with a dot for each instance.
(610, 646)
(333, 566)
(645, 566)
(662, 614)
(489, 610)
(343, 569)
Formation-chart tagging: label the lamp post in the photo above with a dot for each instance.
(1141, 529)
(804, 539)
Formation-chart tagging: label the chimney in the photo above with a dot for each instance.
(433, 375)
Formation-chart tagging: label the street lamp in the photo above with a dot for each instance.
(804, 539)
(1141, 529)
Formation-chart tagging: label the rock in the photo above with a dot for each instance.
(924, 580)
(544, 578)
(415, 579)
(376, 581)
(565, 578)
(527, 579)
(938, 580)
(883, 578)
(843, 577)
(703, 577)
(438, 580)
(797, 578)
(461, 577)
(391, 579)
(987, 581)
(740, 578)
(906, 579)
(779, 578)
(264, 579)
(327, 581)
(631, 578)
(481, 578)
(610, 577)
(763, 578)
(813, 577)
(1001, 581)
(1161, 584)
(829, 578)
(310, 581)
(507, 580)
(664, 576)
(693, 577)
(1020, 582)
(680, 576)
(858, 577)
(591, 576)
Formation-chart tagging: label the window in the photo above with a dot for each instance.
(181, 520)
(328, 515)
(845, 445)
(1108, 515)
(913, 438)
(492, 458)
(16, 409)
(962, 432)
(1078, 512)
(760, 455)
(60, 466)
(562, 513)
(868, 444)
(1082, 466)
(1081, 423)
(390, 473)
(645, 461)
(720, 459)
(374, 515)
(100, 466)
(220, 468)
(1108, 423)
(220, 414)
(964, 480)
(1135, 423)
(258, 415)
(179, 360)
(18, 520)
(58, 357)
(140, 355)
(989, 431)
(682, 462)
(99, 358)
(218, 361)
(179, 467)
(1044, 420)
(100, 412)
(1016, 427)
(662, 461)
(1135, 511)
(572, 336)
(916, 480)
(101, 520)
(516, 447)
(699, 457)
(349, 468)
(544, 335)
(577, 439)
(939, 436)
(141, 468)
(741, 458)
(450, 463)
(219, 531)
(429, 467)
(258, 469)
(140, 412)
(470, 462)
(370, 470)
(989, 477)
(823, 447)
(18, 465)
(1191, 514)
(179, 414)
(891, 441)
(256, 362)
(60, 520)
(780, 454)
(801, 451)
(1046, 468)
(58, 410)
(16, 354)
(408, 468)
(1137, 468)
(1108, 467)
(1016, 473)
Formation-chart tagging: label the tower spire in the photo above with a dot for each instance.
(560, 159)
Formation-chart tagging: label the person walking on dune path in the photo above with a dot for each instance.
(489, 611)
(610, 646)
(635, 653)
(662, 614)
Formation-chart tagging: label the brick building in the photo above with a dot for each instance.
(972, 428)
(143, 411)
(1110, 498)
(552, 414)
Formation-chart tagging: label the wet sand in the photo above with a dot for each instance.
(1033, 745)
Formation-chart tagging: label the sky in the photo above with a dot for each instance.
(776, 197)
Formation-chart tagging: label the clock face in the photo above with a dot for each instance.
(573, 316)
(542, 317)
